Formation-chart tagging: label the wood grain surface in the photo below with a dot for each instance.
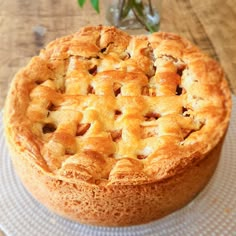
(26, 26)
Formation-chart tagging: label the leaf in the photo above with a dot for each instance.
(81, 2)
(95, 4)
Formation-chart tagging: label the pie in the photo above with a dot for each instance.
(106, 128)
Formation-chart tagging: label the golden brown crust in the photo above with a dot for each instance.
(116, 205)
(103, 108)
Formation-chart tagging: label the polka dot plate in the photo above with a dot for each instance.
(212, 212)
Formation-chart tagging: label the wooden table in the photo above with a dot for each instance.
(26, 26)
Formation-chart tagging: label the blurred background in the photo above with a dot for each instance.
(26, 26)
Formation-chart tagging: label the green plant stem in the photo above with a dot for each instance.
(125, 6)
(150, 7)
(147, 26)
(121, 9)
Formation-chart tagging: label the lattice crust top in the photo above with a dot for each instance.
(109, 108)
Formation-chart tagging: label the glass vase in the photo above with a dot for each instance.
(134, 15)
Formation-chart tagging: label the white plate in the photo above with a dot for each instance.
(212, 212)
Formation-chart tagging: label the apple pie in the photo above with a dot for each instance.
(106, 128)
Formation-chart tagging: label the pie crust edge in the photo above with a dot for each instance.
(183, 174)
